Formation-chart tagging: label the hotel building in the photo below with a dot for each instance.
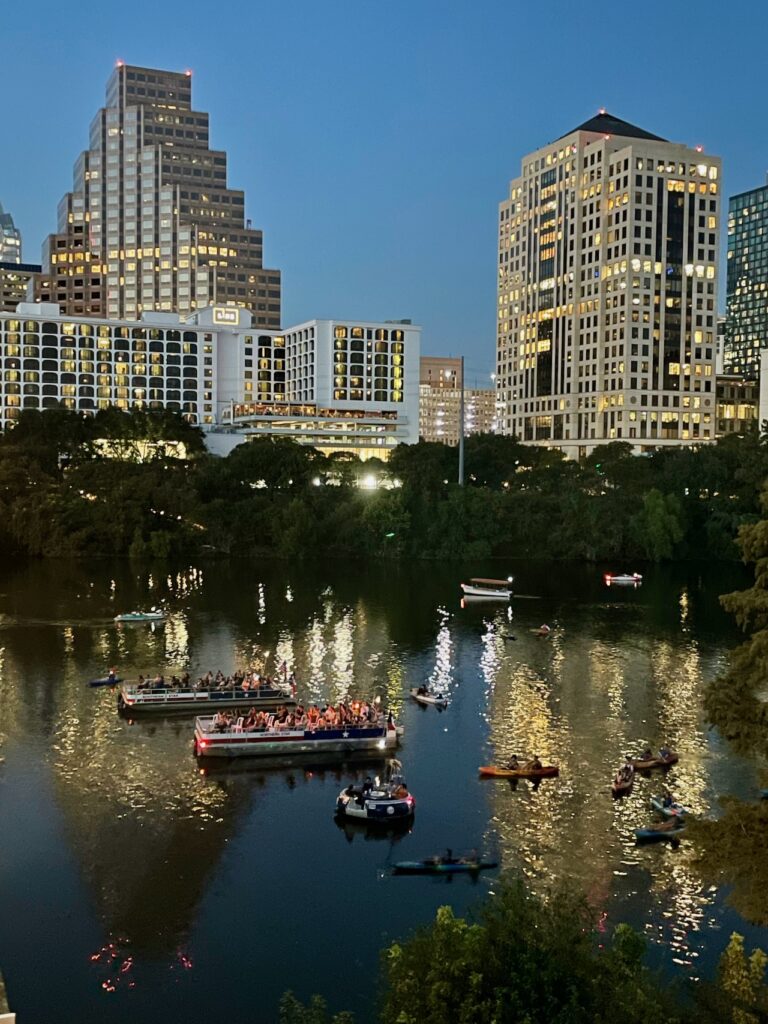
(337, 384)
(440, 402)
(746, 324)
(334, 384)
(607, 291)
(151, 223)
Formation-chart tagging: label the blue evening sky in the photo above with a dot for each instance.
(374, 140)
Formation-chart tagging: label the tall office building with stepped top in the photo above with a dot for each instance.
(607, 291)
(151, 223)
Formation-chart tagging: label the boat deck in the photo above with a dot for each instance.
(166, 700)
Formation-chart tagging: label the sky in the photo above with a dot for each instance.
(374, 140)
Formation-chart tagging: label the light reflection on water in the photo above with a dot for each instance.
(613, 676)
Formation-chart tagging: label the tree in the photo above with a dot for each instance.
(658, 527)
(527, 960)
(293, 1012)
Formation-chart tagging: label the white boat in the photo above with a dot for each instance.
(376, 804)
(234, 741)
(622, 579)
(153, 615)
(438, 700)
(495, 590)
(169, 700)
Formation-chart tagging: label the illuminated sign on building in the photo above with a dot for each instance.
(226, 315)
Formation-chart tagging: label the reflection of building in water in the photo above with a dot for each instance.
(587, 712)
(146, 828)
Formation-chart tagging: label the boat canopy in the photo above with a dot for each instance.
(493, 583)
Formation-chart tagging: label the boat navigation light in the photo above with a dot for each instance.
(381, 744)
(510, 578)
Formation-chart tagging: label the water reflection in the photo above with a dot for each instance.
(153, 836)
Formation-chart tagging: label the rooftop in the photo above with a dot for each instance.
(604, 123)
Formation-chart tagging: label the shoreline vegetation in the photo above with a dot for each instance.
(141, 484)
(530, 959)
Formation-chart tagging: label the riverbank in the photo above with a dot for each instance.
(61, 495)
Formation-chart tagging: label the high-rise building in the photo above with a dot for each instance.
(746, 324)
(10, 239)
(151, 223)
(607, 291)
(440, 402)
(15, 281)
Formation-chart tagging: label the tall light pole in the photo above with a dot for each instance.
(461, 424)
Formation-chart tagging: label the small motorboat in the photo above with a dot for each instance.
(427, 698)
(624, 781)
(669, 830)
(547, 771)
(105, 681)
(375, 803)
(673, 810)
(622, 579)
(494, 590)
(443, 866)
(153, 615)
(643, 765)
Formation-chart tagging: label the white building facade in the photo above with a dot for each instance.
(607, 291)
(339, 384)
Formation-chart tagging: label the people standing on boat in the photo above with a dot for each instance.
(534, 764)
(665, 753)
(112, 676)
(667, 801)
(647, 755)
(513, 765)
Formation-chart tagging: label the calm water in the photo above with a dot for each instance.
(135, 887)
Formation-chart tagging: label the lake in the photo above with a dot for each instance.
(136, 885)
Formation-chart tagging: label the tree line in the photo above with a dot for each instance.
(142, 484)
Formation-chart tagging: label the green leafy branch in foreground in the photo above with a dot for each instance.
(540, 960)
(732, 848)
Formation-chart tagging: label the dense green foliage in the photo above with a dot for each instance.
(534, 960)
(733, 847)
(77, 485)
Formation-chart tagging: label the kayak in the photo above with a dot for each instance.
(104, 682)
(652, 835)
(622, 788)
(441, 867)
(674, 810)
(546, 771)
(654, 762)
(438, 700)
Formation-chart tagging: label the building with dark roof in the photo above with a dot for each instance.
(607, 291)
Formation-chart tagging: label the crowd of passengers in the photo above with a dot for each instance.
(252, 679)
(358, 713)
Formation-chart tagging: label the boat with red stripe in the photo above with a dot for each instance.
(214, 739)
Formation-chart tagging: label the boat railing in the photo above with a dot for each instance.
(206, 725)
(200, 694)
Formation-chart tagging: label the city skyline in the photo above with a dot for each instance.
(373, 146)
